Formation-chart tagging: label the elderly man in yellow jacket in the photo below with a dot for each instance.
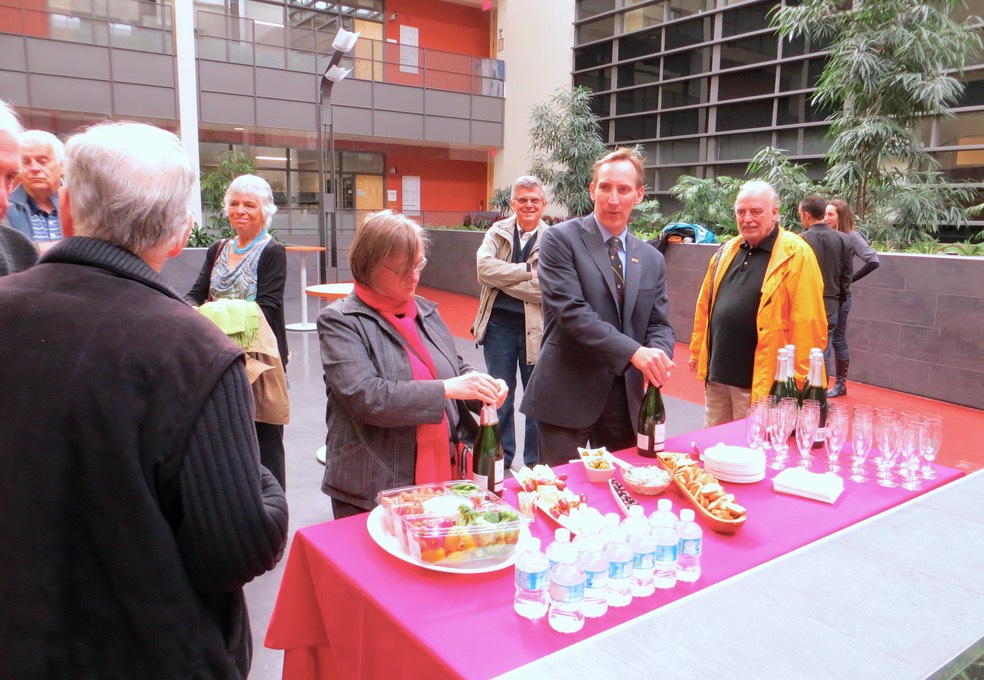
(763, 290)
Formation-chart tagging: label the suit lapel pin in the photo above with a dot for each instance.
(634, 260)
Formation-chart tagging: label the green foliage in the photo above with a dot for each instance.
(965, 248)
(646, 220)
(707, 202)
(565, 138)
(213, 187)
(892, 65)
(500, 200)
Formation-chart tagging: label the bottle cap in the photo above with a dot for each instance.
(533, 544)
(562, 535)
(635, 511)
(664, 505)
(687, 515)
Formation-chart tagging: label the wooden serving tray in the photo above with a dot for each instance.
(712, 522)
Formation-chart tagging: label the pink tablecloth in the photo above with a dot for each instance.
(348, 609)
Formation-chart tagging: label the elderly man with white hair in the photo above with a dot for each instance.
(34, 204)
(16, 250)
(133, 506)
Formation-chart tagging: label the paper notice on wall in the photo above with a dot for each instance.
(411, 195)
(409, 53)
(391, 195)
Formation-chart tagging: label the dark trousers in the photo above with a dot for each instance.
(838, 340)
(271, 439)
(340, 509)
(613, 430)
(505, 348)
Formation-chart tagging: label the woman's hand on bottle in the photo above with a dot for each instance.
(475, 385)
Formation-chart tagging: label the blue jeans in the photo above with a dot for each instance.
(838, 340)
(504, 348)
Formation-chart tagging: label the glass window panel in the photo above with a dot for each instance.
(745, 19)
(589, 8)
(684, 93)
(594, 80)
(639, 72)
(677, 123)
(973, 94)
(688, 33)
(726, 171)
(639, 100)
(682, 151)
(814, 71)
(363, 163)
(589, 57)
(815, 141)
(965, 128)
(644, 17)
(748, 51)
(741, 147)
(746, 115)
(797, 110)
(278, 183)
(596, 30)
(668, 177)
(794, 76)
(640, 44)
(685, 64)
(788, 141)
(637, 127)
(686, 8)
(601, 105)
(746, 83)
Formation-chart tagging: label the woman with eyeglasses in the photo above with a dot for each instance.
(392, 372)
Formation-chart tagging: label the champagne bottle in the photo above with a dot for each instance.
(651, 433)
(792, 389)
(814, 389)
(488, 460)
(779, 383)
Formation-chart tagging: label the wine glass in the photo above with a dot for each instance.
(912, 432)
(807, 423)
(756, 424)
(887, 434)
(835, 434)
(930, 444)
(862, 429)
(782, 420)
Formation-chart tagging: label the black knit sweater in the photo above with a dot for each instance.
(133, 507)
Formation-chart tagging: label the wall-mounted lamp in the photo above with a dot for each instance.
(393, 170)
(345, 40)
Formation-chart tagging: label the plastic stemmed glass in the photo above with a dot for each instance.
(861, 436)
(807, 423)
(887, 433)
(883, 414)
(783, 420)
(930, 444)
(756, 424)
(836, 434)
(911, 433)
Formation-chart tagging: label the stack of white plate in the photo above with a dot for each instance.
(735, 463)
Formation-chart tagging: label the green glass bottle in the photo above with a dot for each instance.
(814, 389)
(488, 460)
(792, 389)
(651, 430)
(779, 387)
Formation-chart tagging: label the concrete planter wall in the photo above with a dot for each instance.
(916, 325)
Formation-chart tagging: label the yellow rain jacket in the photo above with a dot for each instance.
(790, 310)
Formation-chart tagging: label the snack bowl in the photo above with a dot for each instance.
(421, 498)
(646, 480)
(598, 469)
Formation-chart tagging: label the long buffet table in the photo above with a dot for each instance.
(348, 609)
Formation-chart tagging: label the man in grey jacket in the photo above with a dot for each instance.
(509, 322)
(16, 250)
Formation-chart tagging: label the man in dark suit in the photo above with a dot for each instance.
(605, 327)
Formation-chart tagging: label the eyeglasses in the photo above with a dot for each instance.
(419, 267)
(755, 213)
(529, 201)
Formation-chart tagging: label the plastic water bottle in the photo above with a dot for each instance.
(664, 523)
(594, 564)
(619, 556)
(691, 540)
(566, 612)
(643, 552)
(532, 570)
(561, 550)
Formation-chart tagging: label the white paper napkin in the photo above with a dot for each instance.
(797, 481)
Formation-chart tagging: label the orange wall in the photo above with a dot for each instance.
(442, 25)
(444, 184)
